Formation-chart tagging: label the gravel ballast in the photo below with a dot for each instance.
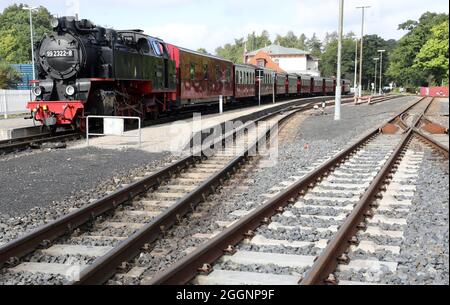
(41, 187)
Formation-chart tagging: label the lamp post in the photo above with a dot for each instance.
(337, 114)
(362, 47)
(356, 68)
(375, 81)
(31, 9)
(381, 70)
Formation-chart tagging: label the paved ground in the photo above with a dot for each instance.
(15, 123)
(34, 180)
(172, 136)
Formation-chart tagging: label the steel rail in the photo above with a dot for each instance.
(18, 248)
(17, 144)
(328, 260)
(187, 268)
(438, 146)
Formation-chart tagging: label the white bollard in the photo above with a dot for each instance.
(221, 104)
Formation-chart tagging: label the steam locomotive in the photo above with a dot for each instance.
(84, 69)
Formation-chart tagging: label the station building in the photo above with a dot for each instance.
(283, 59)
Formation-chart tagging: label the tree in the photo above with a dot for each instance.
(402, 68)
(302, 42)
(202, 50)
(235, 52)
(328, 59)
(433, 57)
(9, 77)
(15, 45)
(314, 46)
(288, 41)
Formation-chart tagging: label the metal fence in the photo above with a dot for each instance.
(13, 102)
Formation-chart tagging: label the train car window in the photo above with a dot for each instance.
(228, 75)
(205, 71)
(236, 77)
(218, 73)
(192, 71)
(240, 77)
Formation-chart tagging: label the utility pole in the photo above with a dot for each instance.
(376, 79)
(356, 68)
(337, 114)
(362, 48)
(31, 9)
(381, 70)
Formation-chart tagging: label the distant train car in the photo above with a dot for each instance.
(201, 78)
(292, 89)
(346, 89)
(281, 80)
(305, 85)
(244, 81)
(265, 76)
(329, 87)
(318, 86)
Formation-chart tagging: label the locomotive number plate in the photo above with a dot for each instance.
(59, 53)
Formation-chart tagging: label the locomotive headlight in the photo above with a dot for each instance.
(54, 22)
(70, 90)
(37, 91)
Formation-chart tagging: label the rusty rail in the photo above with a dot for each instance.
(18, 144)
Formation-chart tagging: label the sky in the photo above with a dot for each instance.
(211, 23)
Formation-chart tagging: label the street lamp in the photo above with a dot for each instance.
(362, 46)
(356, 68)
(381, 70)
(337, 114)
(375, 82)
(31, 9)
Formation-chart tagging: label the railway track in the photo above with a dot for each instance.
(325, 210)
(96, 240)
(23, 143)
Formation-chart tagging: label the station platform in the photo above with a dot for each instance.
(174, 137)
(16, 127)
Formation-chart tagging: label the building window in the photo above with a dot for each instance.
(261, 63)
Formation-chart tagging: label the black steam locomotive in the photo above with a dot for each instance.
(87, 69)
